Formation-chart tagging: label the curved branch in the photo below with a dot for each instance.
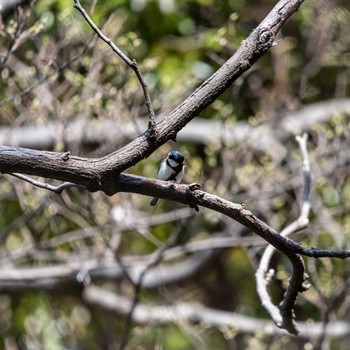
(131, 63)
(284, 316)
(189, 194)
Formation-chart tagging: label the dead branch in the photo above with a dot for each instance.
(131, 63)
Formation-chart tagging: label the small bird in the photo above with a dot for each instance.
(170, 169)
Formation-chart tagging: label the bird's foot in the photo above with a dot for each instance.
(194, 186)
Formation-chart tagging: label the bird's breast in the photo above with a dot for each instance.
(164, 172)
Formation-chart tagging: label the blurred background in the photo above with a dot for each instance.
(72, 265)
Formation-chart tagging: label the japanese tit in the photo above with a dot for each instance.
(170, 169)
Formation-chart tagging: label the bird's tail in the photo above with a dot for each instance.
(153, 201)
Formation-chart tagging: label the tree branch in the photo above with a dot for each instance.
(131, 63)
(39, 163)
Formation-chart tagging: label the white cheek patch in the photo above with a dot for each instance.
(172, 163)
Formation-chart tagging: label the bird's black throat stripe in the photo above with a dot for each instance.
(177, 170)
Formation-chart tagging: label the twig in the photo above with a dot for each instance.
(57, 189)
(283, 316)
(131, 63)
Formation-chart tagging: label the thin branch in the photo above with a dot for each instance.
(131, 63)
(57, 189)
(283, 316)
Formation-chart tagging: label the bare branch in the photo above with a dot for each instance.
(57, 189)
(76, 170)
(184, 194)
(131, 63)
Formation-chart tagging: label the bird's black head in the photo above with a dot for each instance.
(176, 156)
